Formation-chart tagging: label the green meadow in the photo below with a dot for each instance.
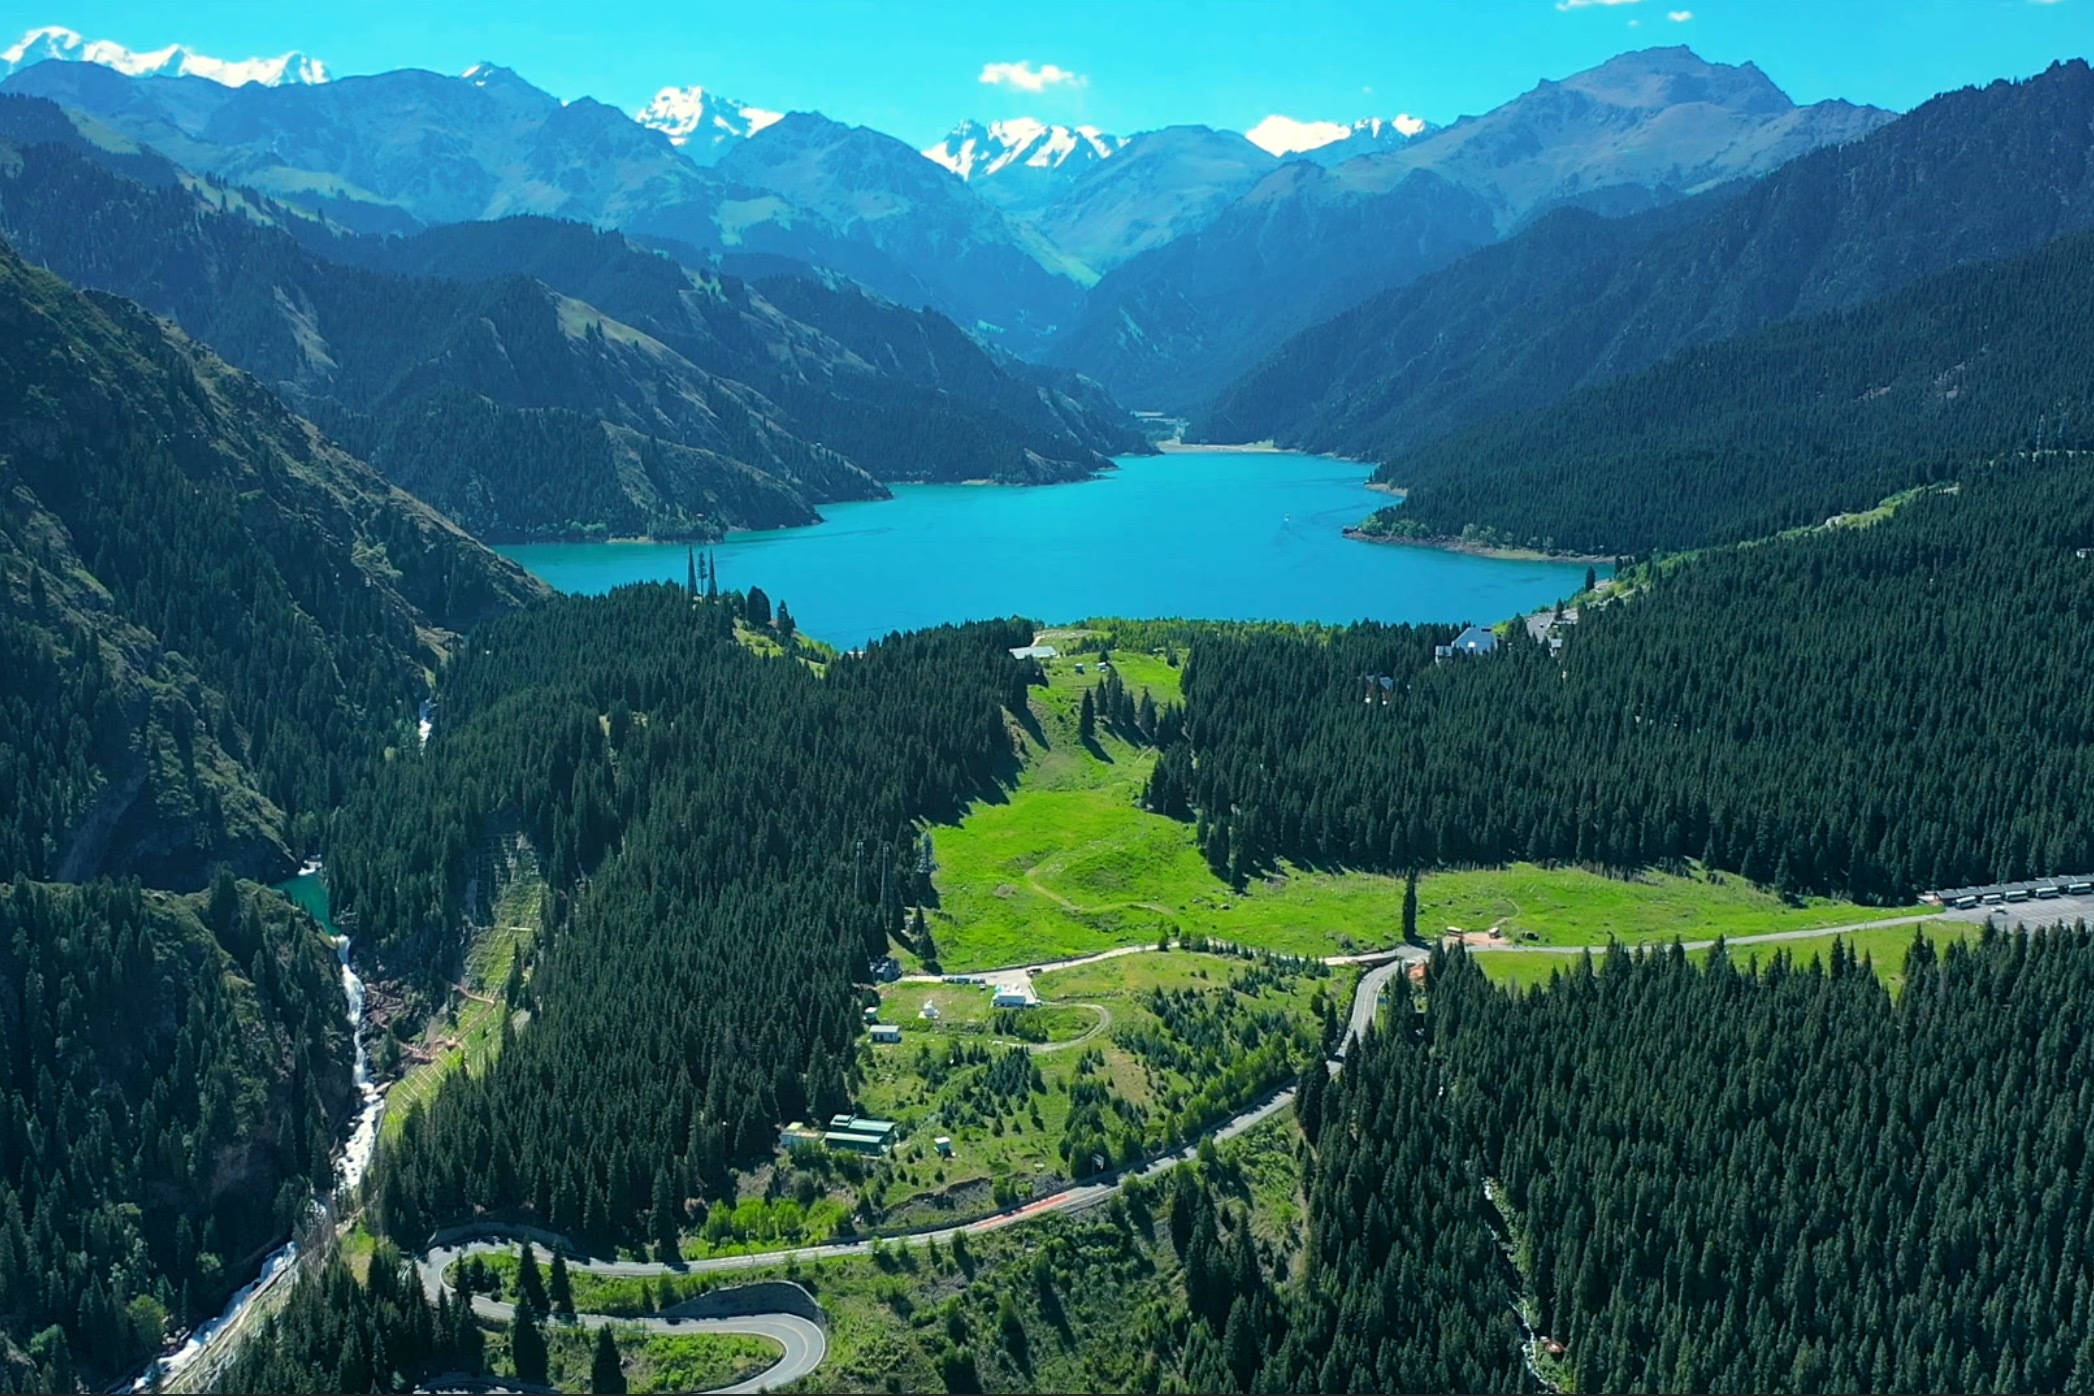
(1070, 865)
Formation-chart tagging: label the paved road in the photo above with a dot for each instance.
(804, 1341)
(2033, 914)
(1018, 974)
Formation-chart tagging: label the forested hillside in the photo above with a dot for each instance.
(1711, 1181)
(1969, 177)
(535, 378)
(1783, 427)
(174, 1067)
(839, 359)
(728, 837)
(1870, 710)
(501, 402)
(213, 618)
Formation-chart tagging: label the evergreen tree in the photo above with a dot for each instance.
(527, 1353)
(1087, 719)
(667, 1218)
(559, 1291)
(606, 1369)
(530, 1285)
(1410, 907)
(756, 608)
(691, 587)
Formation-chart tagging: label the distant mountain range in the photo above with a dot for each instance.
(1022, 166)
(535, 378)
(1212, 246)
(1578, 299)
(1173, 326)
(63, 45)
(703, 125)
(1334, 142)
(1358, 286)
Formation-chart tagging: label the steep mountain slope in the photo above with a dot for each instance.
(589, 425)
(1171, 328)
(208, 1034)
(835, 357)
(212, 614)
(1161, 186)
(1968, 177)
(1784, 426)
(1022, 166)
(980, 268)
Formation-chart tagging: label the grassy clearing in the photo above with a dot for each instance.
(469, 1033)
(1159, 1047)
(1071, 865)
(1886, 949)
(1571, 906)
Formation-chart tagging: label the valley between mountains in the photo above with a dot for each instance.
(1379, 752)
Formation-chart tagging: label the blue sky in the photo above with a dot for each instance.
(913, 67)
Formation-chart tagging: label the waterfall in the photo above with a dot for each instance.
(349, 1171)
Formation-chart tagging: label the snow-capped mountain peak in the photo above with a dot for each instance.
(1284, 135)
(703, 123)
(974, 150)
(53, 43)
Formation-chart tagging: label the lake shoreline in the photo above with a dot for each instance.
(1469, 548)
(1207, 448)
(1221, 535)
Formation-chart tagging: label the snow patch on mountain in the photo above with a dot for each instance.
(52, 43)
(704, 125)
(1284, 135)
(974, 151)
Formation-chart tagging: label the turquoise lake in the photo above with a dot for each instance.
(1213, 536)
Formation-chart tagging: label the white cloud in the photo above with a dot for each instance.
(1589, 4)
(1026, 78)
(1679, 16)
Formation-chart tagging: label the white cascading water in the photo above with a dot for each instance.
(356, 1155)
(348, 1171)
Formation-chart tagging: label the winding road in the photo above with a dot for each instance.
(802, 1337)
